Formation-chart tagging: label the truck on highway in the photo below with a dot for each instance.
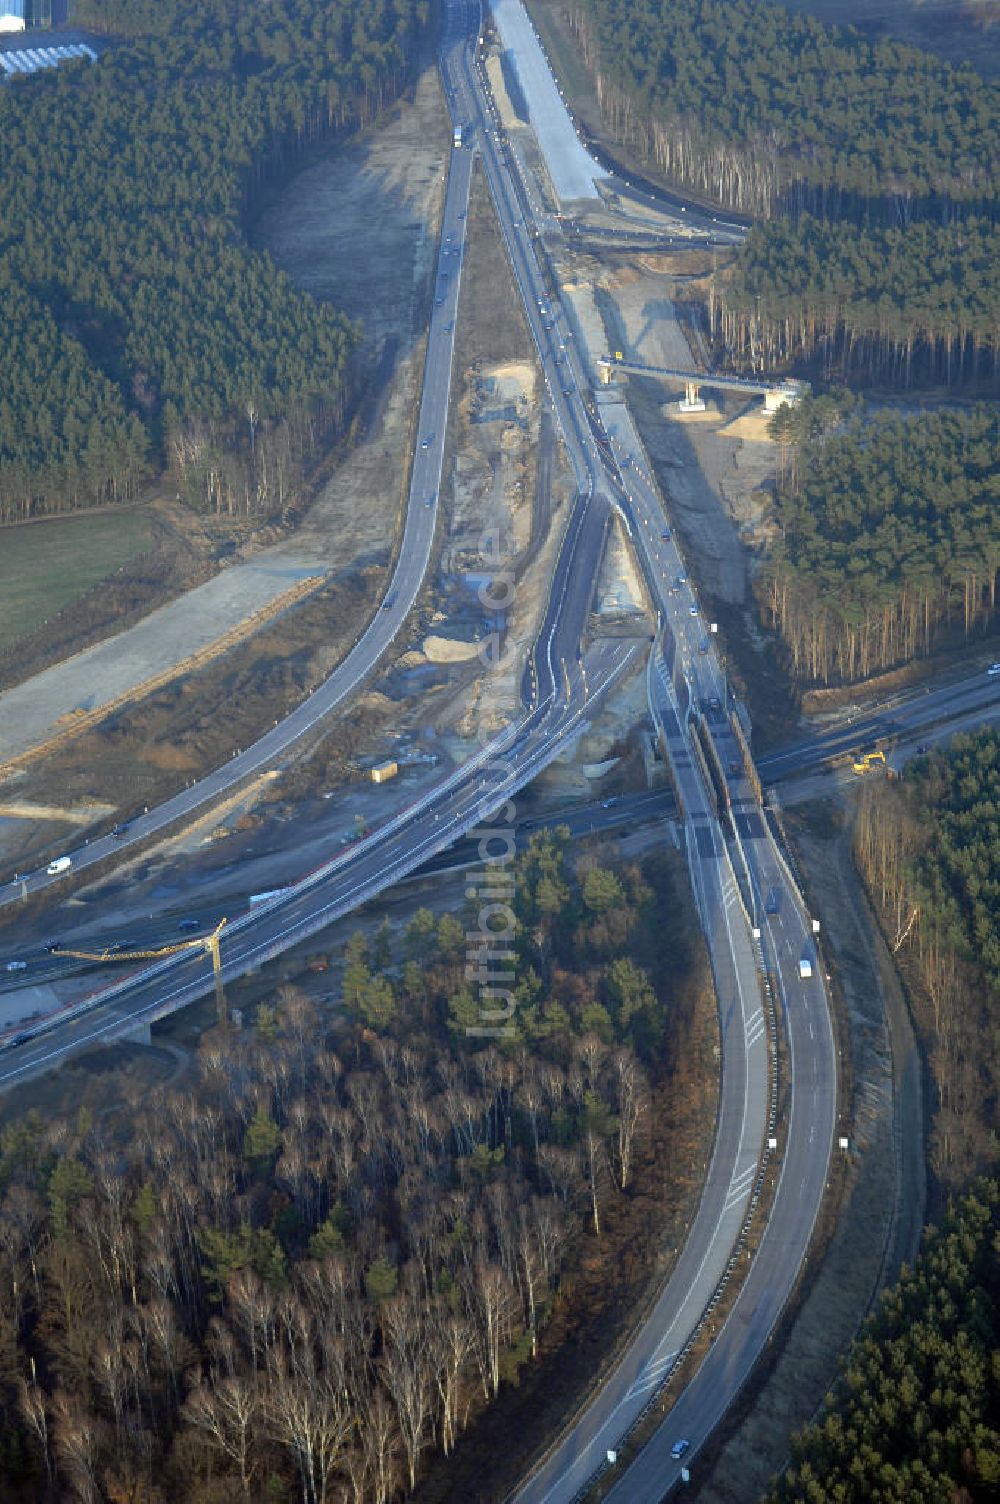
(805, 968)
(61, 864)
(457, 137)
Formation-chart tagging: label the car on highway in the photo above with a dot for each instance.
(666, 534)
(922, 748)
(993, 670)
(16, 966)
(430, 500)
(680, 580)
(703, 645)
(426, 443)
(188, 926)
(692, 610)
(679, 1448)
(119, 832)
(389, 601)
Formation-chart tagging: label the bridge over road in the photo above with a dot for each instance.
(775, 393)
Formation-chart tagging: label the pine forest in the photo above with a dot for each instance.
(141, 329)
(306, 1271)
(887, 535)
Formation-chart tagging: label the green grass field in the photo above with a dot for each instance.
(45, 566)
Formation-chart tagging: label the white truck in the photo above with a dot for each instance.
(61, 864)
(457, 137)
(805, 968)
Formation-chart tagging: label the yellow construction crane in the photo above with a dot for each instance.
(209, 943)
(868, 761)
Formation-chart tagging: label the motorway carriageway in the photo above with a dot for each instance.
(561, 686)
(404, 587)
(734, 1177)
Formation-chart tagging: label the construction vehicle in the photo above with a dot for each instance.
(210, 944)
(867, 761)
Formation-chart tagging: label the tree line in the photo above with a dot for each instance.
(887, 535)
(869, 304)
(322, 1256)
(874, 163)
(915, 1414)
(140, 306)
(928, 847)
(767, 110)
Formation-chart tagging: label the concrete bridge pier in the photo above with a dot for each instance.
(691, 402)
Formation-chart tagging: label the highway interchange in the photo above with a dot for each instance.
(735, 865)
(562, 686)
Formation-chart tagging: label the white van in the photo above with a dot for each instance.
(61, 864)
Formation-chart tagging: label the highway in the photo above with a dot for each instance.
(695, 680)
(411, 564)
(738, 875)
(970, 700)
(465, 800)
(736, 869)
(561, 685)
(560, 688)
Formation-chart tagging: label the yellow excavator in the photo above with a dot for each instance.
(867, 761)
(207, 943)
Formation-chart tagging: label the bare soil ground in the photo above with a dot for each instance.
(715, 469)
(359, 225)
(507, 487)
(140, 755)
(712, 469)
(146, 751)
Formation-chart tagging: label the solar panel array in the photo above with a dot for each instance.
(33, 59)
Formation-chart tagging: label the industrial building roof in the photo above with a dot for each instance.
(24, 59)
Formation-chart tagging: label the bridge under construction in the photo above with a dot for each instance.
(774, 393)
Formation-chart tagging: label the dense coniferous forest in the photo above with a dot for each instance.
(888, 534)
(871, 304)
(915, 1414)
(929, 849)
(143, 325)
(765, 109)
(875, 163)
(292, 1278)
